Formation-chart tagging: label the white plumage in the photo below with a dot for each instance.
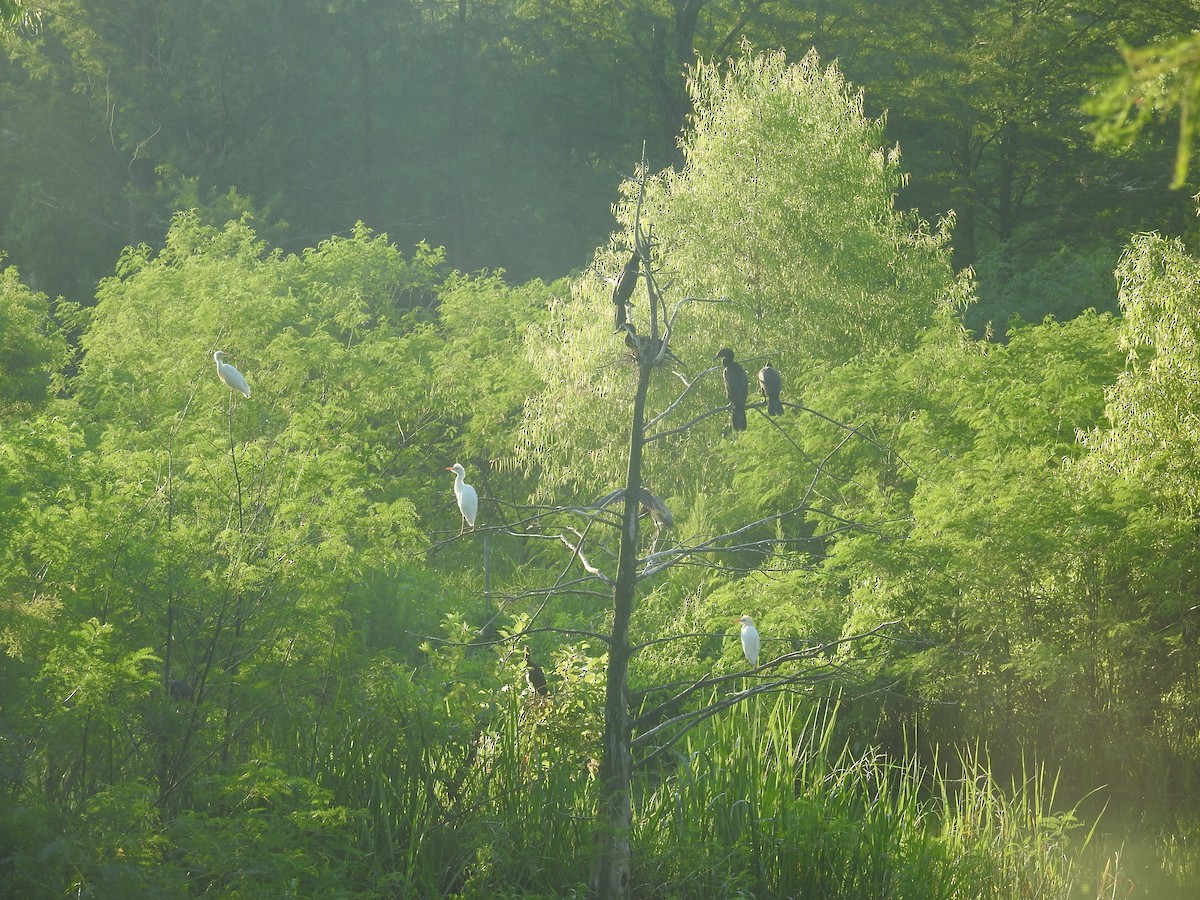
(230, 376)
(750, 640)
(468, 499)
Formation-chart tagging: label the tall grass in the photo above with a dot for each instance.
(764, 804)
(761, 802)
(498, 807)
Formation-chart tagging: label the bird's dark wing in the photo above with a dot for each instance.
(770, 385)
(658, 511)
(737, 388)
(623, 292)
(536, 677)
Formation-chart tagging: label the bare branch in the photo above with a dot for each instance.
(670, 324)
(708, 681)
(685, 721)
(675, 405)
(656, 562)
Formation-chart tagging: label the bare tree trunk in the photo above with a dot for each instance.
(965, 250)
(611, 877)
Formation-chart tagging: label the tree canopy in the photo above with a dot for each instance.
(245, 648)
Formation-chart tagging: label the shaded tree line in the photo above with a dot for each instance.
(249, 642)
(498, 130)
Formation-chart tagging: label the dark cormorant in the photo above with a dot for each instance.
(737, 387)
(180, 689)
(769, 385)
(632, 340)
(623, 291)
(534, 675)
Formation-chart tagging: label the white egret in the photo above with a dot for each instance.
(468, 499)
(750, 640)
(230, 376)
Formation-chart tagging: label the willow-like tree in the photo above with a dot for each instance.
(779, 238)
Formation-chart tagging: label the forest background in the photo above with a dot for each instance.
(246, 651)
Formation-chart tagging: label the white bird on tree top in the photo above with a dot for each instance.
(468, 499)
(750, 640)
(230, 376)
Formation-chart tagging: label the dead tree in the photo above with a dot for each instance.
(665, 712)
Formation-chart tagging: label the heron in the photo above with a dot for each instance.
(750, 640)
(737, 387)
(770, 384)
(468, 499)
(230, 376)
(534, 676)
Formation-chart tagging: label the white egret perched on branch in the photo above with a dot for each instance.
(230, 376)
(750, 640)
(468, 499)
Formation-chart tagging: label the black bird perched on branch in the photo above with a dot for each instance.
(643, 348)
(623, 291)
(737, 387)
(534, 675)
(180, 689)
(769, 385)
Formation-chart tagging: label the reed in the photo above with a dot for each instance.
(760, 802)
(763, 803)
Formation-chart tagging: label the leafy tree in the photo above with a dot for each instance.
(815, 267)
(32, 348)
(1152, 439)
(1156, 81)
(985, 101)
(791, 227)
(204, 565)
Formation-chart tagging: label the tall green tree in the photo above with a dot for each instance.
(779, 238)
(194, 568)
(783, 216)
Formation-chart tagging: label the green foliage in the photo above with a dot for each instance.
(481, 374)
(32, 349)
(1061, 285)
(785, 209)
(1008, 605)
(245, 652)
(809, 258)
(1152, 439)
(1156, 81)
(765, 803)
(261, 829)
